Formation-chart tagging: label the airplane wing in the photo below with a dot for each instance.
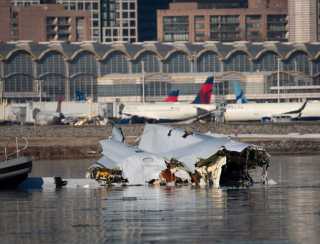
(201, 113)
(291, 115)
(298, 111)
(145, 117)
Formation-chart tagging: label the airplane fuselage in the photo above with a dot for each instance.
(257, 111)
(168, 111)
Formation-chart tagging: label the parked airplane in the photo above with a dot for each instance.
(174, 112)
(273, 112)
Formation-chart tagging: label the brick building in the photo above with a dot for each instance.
(203, 20)
(5, 7)
(43, 23)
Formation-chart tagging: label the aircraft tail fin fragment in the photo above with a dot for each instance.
(172, 96)
(117, 134)
(204, 95)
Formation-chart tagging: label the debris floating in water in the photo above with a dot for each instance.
(169, 156)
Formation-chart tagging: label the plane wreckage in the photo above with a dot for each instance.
(169, 156)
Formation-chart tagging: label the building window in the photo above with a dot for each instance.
(239, 61)
(154, 89)
(225, 28)
(80, 6)
(80, 29)
(316, 67)
(276, 27)
(223, 88)
(208, 62)
(95, 6)
(285, 80)
(199, 28)
(85, 62)
(178, 62)
(176, 28)
(151, 63)
(116, 62)
(297, 62)
(95, 23)
(84, 83)
(266, 62)
(253, 27)
(51, 63)
(18, 71)
(52, 86)
(125, 15)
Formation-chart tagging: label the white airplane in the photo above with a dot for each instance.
(174, 111)
(276, 112)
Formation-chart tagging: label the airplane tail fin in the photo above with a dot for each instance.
(204, 95)
(172, 96)
(239, 93)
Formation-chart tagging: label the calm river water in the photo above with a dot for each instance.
(288, 212)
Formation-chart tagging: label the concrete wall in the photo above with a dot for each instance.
(9, 112)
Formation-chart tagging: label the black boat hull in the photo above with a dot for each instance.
(11, 175)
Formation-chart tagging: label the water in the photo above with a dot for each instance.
(288, 212)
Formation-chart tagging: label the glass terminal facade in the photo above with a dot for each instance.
(64, 69)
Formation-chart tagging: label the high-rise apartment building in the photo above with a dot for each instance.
(94, 10)
(114, 20)
(219, 20)
(303, 20)
(119, 20)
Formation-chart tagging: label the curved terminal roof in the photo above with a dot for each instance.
(161, 49)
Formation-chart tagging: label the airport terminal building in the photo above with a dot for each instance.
(123, 72)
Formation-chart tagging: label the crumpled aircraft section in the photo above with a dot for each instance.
(167, 155)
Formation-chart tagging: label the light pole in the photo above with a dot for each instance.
(1, 90)
(278, 80)
(143, 80)
(40, 90)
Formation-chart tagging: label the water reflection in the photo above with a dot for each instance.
(284, 213)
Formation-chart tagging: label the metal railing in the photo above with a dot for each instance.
(16, 154)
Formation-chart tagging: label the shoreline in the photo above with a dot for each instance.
(67, 142)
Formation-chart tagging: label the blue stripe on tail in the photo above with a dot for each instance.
(240, 97)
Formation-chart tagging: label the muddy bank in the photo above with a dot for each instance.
(66, 142)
